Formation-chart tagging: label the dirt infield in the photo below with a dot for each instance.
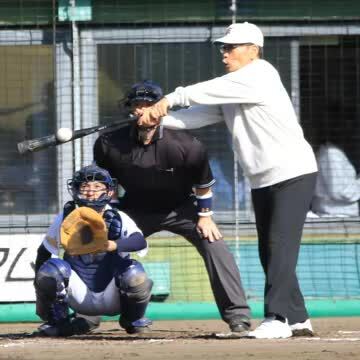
(337, 338)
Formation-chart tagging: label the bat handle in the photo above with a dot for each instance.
(35, 145)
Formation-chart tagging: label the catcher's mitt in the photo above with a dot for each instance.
(83, 232)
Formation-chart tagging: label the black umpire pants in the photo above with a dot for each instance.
(220, 264)
(280, 212)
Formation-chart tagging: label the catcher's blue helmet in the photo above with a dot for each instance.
(144, 91)
(87, 174)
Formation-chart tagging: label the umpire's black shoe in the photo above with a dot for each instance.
(135, 327)
(240, 325)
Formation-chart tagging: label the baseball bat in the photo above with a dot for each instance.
(44, 142)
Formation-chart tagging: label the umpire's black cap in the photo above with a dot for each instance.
(146, 90)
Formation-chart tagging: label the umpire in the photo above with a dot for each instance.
(159, 168)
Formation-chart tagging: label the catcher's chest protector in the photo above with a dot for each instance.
(95, 269)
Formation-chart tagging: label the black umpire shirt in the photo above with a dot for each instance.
(157, 177)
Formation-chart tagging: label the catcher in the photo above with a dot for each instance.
(84, 264)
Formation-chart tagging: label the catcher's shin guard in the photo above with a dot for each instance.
(51, 284)
(135, 292)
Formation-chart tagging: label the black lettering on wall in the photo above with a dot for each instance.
(5, 256)
(9, 277)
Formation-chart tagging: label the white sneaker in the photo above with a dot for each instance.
(271, 328)
(302, 329)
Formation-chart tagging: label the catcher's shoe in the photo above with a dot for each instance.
(77, 326)
(135, 327)
(302, 329)
(47, 329)
(67, 327)
(240, 325)
(51, 329)
(57, 316)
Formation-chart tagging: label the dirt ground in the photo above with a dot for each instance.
(336, 338)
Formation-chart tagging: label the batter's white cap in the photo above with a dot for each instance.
(242, 33)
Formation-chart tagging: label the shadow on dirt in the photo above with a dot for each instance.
(121, 335)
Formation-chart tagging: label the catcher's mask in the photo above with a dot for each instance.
(145, 91)
(88, 174)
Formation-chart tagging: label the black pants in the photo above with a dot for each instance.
(220, 264)
(280, 212)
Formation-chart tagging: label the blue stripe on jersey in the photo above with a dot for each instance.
(135, 242)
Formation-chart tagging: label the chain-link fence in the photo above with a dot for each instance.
(68, 63)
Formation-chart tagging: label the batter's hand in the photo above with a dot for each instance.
(111, 246)
(152, 115)
(208, 229)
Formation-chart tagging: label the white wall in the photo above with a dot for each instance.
(17, 258)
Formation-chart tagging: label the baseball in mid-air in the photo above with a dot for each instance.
(64, 134)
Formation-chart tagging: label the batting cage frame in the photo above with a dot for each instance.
(89, 63)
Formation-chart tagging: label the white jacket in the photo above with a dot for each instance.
(267, 137)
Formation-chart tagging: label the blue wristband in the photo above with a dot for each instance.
(204, 205)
